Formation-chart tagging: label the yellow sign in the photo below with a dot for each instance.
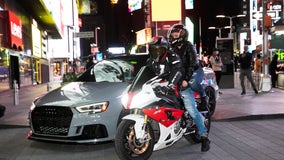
(166, 10)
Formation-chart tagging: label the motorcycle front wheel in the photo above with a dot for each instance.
(128, 147)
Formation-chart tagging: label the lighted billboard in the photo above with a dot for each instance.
(134, 5)
(166, 10)
(36, 41)
(15, 30)
(143, 36)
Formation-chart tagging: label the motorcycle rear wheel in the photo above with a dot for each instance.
(210, 92)
(128, 147)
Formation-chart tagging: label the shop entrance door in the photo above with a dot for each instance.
(37, 71)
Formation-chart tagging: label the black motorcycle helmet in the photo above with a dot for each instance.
(181, 37)
(158, 46)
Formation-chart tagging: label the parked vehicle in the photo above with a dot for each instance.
(85, 111)
(156, 120)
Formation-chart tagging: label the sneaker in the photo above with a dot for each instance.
(255, 91)
(204, 102)
(243, 93)
(205, 144)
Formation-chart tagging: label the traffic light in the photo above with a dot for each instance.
(267, 21)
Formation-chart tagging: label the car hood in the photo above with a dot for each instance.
(81, 93)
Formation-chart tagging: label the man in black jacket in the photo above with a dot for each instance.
(245, 61)
(163, 61)
(191, 81)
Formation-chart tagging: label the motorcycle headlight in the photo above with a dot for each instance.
(124, 99)
(93, 108)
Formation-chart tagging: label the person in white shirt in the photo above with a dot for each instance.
(216, 63)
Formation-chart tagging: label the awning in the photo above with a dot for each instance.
(41, 14)
(279, 26)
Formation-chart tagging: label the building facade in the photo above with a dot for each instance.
(28, 30)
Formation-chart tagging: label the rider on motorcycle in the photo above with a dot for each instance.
(193, 75)
(162, 60)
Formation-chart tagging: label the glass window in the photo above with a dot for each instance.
(108, 71)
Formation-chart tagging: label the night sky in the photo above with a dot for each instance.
(119, 23)
(207, 10)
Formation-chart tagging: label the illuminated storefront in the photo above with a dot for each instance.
(15, 64)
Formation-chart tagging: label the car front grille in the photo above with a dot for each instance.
(51, 120)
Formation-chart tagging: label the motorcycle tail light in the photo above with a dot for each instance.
(196, 95)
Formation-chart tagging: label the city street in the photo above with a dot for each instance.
(230, 140)
(246, 127)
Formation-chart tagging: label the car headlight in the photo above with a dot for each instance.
(32, 107)
(93, 108)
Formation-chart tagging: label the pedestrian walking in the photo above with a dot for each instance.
(216, 63)
(257, 64)
(245, 70)
(90, 62)
(257, 69)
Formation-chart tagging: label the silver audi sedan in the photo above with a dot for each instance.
(85, 111)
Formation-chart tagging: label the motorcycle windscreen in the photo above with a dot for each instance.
(145, 74)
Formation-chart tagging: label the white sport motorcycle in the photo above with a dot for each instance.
(156, 120)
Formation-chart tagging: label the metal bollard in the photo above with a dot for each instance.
(16, 93)
(48, 87)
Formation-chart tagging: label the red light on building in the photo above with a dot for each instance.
(11, 30)
(80, 22)
(15, 31)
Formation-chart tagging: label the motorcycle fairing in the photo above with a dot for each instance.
(169, 135)
(138, 126)
(164, 115)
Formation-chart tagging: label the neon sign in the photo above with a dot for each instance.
(16, 30)
(280, 54)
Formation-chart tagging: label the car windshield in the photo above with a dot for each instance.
(108, 71)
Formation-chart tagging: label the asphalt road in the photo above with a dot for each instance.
(230, 140)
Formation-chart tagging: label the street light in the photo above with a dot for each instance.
(220, 28)
(231, 20)
(96, 31)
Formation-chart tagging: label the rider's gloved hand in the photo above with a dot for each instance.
(165, 90)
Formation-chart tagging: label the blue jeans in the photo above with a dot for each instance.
(243, 73)
(189, 100)
(189, 103)
(195, 82)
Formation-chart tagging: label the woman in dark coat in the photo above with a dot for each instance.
(273, 70)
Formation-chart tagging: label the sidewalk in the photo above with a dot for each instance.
(18, 114)
(230, 105)
(233, 106)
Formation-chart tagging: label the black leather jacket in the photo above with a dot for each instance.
(190, 61)
(171, 64)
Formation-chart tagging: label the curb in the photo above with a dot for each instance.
(251, 117)
(11, 126)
